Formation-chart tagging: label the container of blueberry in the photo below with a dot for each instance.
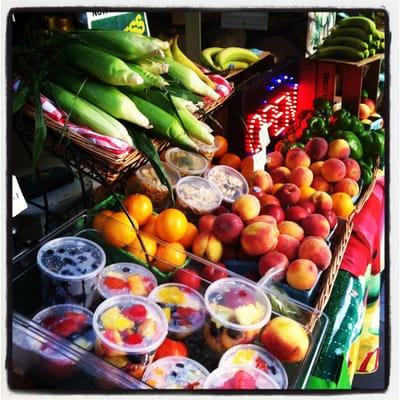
(69, 267)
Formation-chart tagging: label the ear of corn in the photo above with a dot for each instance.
(105, 67)
(106, 97)
(154, 67)
(86, 114)
(149, 78)
(164, 124)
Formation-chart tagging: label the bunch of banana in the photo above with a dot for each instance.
(230, 58)
(353, 38)
(180, 57)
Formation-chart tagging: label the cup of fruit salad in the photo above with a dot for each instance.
(129, 329)
(69, 267)
(183, 307)
(73, 323)
(175, 373)
(125, 278)
(237, 310)
(256, 356)
(239, 378)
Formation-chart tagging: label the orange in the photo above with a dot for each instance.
(188, 238)
(118, 231)
(171, 225)
(222, 144)
(150, 225)
(247, 167)
(306, 192)
(168, 258)
(231, 160)
(100, 218)
(276, 187)
(342, 204)
(139, 206)
(150, 246)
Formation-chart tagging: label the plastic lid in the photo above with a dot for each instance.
(175, 373)
(183, 306)
(126, 278)
(198, 193)
(230, 182)
(173, 175)
(130, 324)
(237, 304)
(71, 258)
(185, 162)
(206, 147)
(256, 356)
(236, 378)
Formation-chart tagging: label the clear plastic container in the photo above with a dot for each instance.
(239, 378)
(197, 195)
(230, 182)
(147, 182)
(125, 278)
(256, 356)
(69, 267)
(185, 162)
(129, 329)
(183, 306)
(206, 150)
(238, 310)
(175, 373)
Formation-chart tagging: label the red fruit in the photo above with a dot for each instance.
(295, 213)
(134, 338)
(136, 313)
(243, 380)
(184, 312)
(221, 210)
(49, 321)
(148, 284)
(188, 277)
(308, 205)
(228, 384)
(65, 327)
(331, 217)
(206, 223)
(228, 228)
(288, 194)
(261, 364)
(114, 283)
(269, 199)
(109, 334)
(212, 274)
(273, 259)
(237, 298)
(171, 347)
(274, 211)
(79, 318)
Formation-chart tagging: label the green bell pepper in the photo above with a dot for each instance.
(356, 149)
(322, 107)
(343, 120)
(367, 142)
(315, 124)
(378, 146)
(306, 135)
(366, 176)
(356, 126)
(295, 145)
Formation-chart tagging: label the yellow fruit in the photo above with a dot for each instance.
(167, 312)
(306, 192)
(118, 231)
(150, 226)
(342, 204)
(168, 258)
(113, 319)
(139, 206)
(171, 295)
(190, 235)
(136, 285)
(119, 361)
(147, 328)
(136, 249)
(100, 218)
(171, 225)
(243, 357)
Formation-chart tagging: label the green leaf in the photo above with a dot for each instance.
(40, 126)
(20, 97)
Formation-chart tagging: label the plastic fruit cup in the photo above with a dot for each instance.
(237, 309)
(175, 373)
(256, 356)
(72, 322)
(185, 162)
(230, 182)
(183, 306)
(125, 278)
(239, 378)
(197, 195)
(69, 267)
(206, 150)
(129, 329)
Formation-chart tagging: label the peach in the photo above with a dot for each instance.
(295, 214)
(306, 192)
(206, 223)
(348, 186)
(262, 179)
(353, 170)
(315, 249)
(338, 148)
(342, 204)
(370, 103)
(280, 175)
(221, 210)
(256, 191)
(331, 217)
(258, 238)
(229, 253)
(333, 170)
(322, 201)
(263, 218)
(297, 158)
(288, 194)
(208, 246)
(288, 245)
(292, 229)
(364, 111)
(275, 211)
(268, 199)
(317, 148)
(301, 176)
(227, 228)
(246, 206)
(316, 225)
(316, 168)
(276, 187)
(320, 184)
(274, 160)
(286, 339)
(308, 206)
(273, 259)
(302, 274)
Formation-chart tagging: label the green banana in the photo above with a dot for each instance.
(378, 34)
(353, 32)
(341, 52)
(230, 54)
(372, 52)
(181, 58)
(207, 55)
(346, 41)
(360, 22)
(366, 53)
